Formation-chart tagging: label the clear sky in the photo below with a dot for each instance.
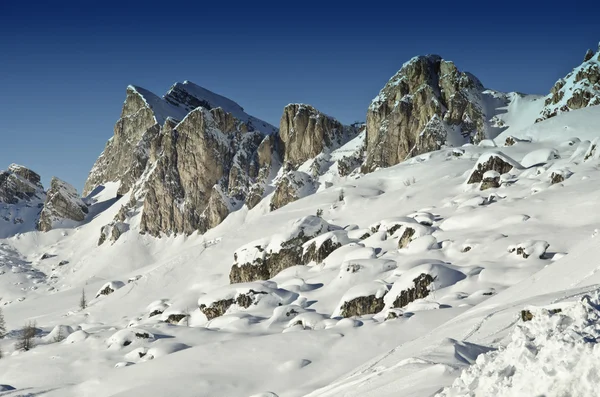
(64, 69)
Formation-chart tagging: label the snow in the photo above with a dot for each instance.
(554, 354)
(162, 109)
(293, 331)
(217, 101)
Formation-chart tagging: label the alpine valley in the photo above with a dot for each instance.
(444, 246)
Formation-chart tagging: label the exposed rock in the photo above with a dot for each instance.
(578, 89)
(492, 161)
(218, 308)
(362, 305)
(491, 180)
(406, 237)
(109, 288)
(262, 260)
(62, 203)
(429, 103)
(175, 318)
(526, 315)
(556, 178)
(305, 132)
(320, 247)
(291, 187)
(190, 157)
(419, 291)
(155, 313)
(530, 248)
(19, 183)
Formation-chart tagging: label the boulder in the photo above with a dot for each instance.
(263, 259)
(491, 180)
(363, 299)
(62, 203)
(492, 161)
(318, 249)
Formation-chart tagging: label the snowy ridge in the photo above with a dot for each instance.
(179, 96)
(161, 108)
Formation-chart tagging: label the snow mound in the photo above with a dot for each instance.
(77, 336)
(128, 336)
(535, 248)
(109, 288)
(556, 353)
(540, 156)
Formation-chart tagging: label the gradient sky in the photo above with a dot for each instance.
(64, 69)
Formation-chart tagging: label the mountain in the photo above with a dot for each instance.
(445, 247)
(578, 89)
(430, 104)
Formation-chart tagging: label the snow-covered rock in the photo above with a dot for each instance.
(578, 89)
(62, 204)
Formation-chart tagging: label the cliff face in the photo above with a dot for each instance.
(429, 103)
(189, 158)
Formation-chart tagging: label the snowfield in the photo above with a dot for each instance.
(499, 287)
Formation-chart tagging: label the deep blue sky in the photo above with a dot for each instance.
(64, 69)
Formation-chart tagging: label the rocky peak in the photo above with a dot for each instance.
(19, 183)
(62, 203)
(578, 89)
(189, 96)
(428, 104)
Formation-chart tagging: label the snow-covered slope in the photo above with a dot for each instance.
(455, 273)
(151, 335)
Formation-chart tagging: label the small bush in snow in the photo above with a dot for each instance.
(25, 341)
(2, 325)
(319, 212)
(410, 181)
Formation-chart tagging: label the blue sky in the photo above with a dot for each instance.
(64, 70)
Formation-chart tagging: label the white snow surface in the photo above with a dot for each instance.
(290, 341)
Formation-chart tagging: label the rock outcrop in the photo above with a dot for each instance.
(419, 290)
(62, 203)
(290, 187)
(263, 259)
(189, 157)
(492, 161)
(428, 104)
(19, 183)
(305, 132)
(578, 89)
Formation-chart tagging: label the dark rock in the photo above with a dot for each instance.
(361, 306)
(493, 163)
(142, 335)
(526, 315)
(318, 255)
(105, 291)
(62, 263)
(556, 178)
(218, 308)
(419, 291)
(588, 55)
(155, 313)
(406, 237)
(175, 318)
